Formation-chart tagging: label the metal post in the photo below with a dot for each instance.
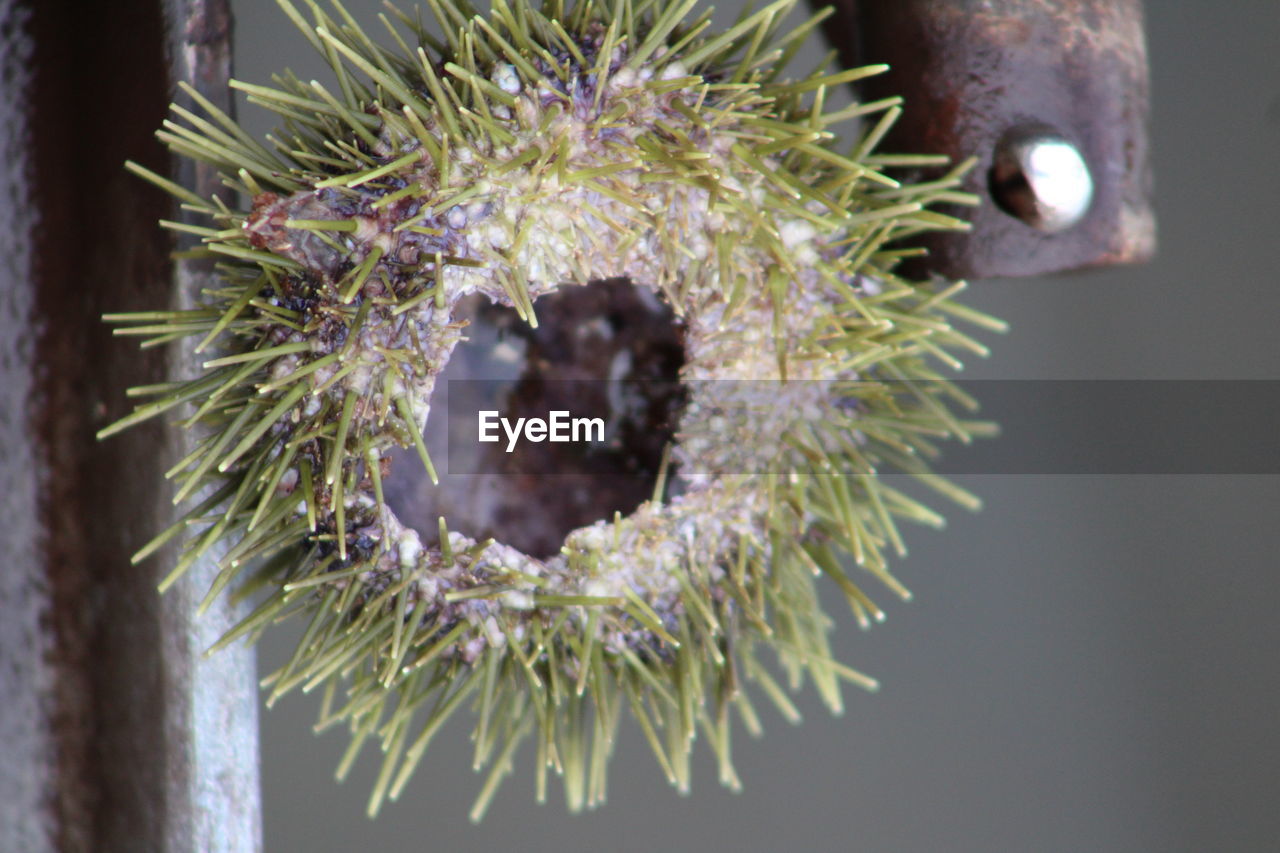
(115, 732)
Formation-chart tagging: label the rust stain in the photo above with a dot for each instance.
(97, 250)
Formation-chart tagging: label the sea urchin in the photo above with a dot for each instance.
(521, 155)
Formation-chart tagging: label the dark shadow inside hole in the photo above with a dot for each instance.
(609, 349)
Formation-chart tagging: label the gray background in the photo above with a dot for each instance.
(1089, 663)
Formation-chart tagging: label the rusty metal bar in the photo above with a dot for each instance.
(992, 79)
(115, 733)
(219, 806)
(27, 739)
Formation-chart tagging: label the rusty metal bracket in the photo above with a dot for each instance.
(116, 733)
(1019, 84)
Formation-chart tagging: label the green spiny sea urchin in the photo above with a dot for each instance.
(520, 155)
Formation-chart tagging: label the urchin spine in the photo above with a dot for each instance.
(534, 149)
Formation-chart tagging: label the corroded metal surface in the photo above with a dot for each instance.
(214, 700)
(974, 71)
(26, 741)
(116, 733)
(84, 762)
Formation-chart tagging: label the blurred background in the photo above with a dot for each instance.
(1090, 663)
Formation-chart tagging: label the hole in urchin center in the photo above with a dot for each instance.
(610, 350)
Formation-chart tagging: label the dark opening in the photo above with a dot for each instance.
(609, 349)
